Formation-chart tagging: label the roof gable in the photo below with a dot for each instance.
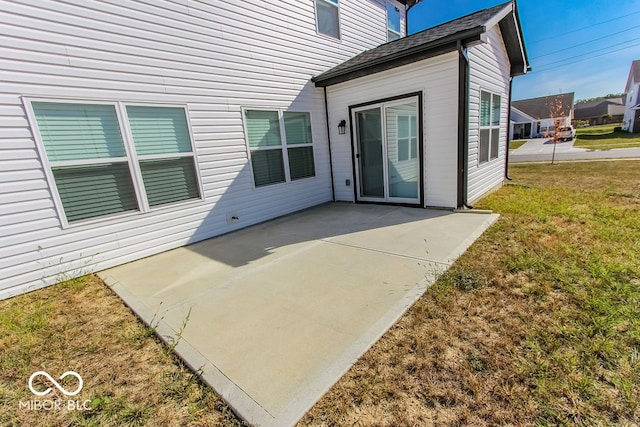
(634, 75)
(538, 108)
(434, 41)
(521, 114)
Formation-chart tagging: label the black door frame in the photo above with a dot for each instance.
(354, 163)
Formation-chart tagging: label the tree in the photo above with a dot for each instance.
(600, 98)
(557, 114)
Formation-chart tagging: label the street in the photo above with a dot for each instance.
(541, 149)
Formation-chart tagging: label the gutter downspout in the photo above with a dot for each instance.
(463, 127)
(506, 163)
(406, 17)
(326, 112)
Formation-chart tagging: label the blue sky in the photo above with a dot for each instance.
(558, 34)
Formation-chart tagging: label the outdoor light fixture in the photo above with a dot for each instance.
(342, 127)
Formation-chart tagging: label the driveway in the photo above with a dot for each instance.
(273, 315)
(541, 150)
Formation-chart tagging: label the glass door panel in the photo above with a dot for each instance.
(370, 153)
(403, 163)
(387, 152)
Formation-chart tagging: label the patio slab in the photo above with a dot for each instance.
(273, 315)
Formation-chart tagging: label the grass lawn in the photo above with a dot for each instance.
(130, 378)
(604, 138)
(516, 143)
(537, 323)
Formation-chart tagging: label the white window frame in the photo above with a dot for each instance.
(389, 29)
(491, 128)
(132, 158)
(337, 6)
(284, 146)
(411, 138)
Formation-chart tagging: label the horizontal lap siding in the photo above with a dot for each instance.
(213, 56)
(437, 79)
(489, 71)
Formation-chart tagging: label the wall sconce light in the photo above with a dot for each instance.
(342, 127)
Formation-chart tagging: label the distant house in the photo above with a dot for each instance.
(600, 111)
(631, 121)
(522, 125)
(136, 127)
(532, 117)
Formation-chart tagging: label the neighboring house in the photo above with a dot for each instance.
(631, 121)
(131, 128)
(522, 125)
(600, 111)
(536, 114)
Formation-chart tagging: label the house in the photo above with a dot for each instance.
(522, 125)
(631, 120)
(535, 117)
(600, 111)
(131, 128)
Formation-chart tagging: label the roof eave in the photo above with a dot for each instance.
(514, 42)
(418, 53)
(522, 113)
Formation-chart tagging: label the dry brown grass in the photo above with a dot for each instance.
(129, 377)
(537, 324)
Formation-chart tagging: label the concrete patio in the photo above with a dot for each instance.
(273, 315)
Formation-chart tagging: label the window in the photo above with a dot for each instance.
(489, 126)
(407, 138)
(110, 158)
(328, 18)
(299, 146)
(280, 145)
(163, 147)
(393, 22)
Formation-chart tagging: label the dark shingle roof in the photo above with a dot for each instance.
(430, 42)
(538, 108)
(597, 108)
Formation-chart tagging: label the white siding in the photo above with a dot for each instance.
(489, 71)
(213, 56)
(633, 99)
(437, 79)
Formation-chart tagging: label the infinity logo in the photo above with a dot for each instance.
(55, 383)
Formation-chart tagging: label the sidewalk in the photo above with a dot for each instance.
(541, 149)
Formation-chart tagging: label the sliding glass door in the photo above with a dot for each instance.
(387, 151)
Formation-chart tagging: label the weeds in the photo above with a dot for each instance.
(176, 340)
(464, 277)
(538, 323)
(130, 377)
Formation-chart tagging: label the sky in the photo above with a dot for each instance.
(584, 46)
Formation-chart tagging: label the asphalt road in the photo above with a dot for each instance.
(541, 150)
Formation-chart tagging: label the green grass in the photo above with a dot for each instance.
(538, 323)
(516, 144)
(603, 137)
